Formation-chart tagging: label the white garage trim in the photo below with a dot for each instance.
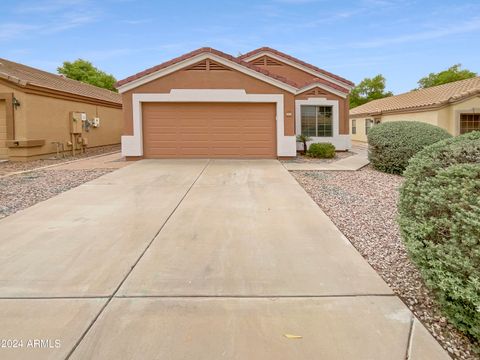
(132, 145)
(341, 142)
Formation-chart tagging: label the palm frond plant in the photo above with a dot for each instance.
(304, 139)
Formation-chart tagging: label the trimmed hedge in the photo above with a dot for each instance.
(440, 224)
(321, 150)
(392, 144)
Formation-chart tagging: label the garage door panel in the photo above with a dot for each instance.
(209, 130)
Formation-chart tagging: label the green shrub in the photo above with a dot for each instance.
(440, 224)
(321, 150)
(392, 144)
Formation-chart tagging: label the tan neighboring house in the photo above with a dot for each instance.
(210, 104)
(41, 111)
(454, 106)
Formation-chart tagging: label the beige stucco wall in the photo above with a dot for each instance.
(360, 134)
(446, 117)
(3, 130)
(21, 111)
(46, 118)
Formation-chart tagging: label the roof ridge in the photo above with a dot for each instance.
(421, 98)
(298, 61)
(51, 75)
(200, 51)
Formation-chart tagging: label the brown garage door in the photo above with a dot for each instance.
(228, 130)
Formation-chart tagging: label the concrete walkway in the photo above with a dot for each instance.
(195, 259)
(351, 163)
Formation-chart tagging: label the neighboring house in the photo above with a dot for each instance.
(36, 110)
(454, 106)
(210, 104)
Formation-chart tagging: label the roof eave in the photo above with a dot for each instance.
(301, 65)
(322, 86)
(428, 107)
(131, 84)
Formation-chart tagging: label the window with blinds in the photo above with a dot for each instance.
(317, 121)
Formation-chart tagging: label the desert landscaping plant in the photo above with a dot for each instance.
(321, 150)
(304, 139)
(392, 144)
(440, 224)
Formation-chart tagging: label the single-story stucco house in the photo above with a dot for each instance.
(454, 106)
(41, 112)
(210, 104)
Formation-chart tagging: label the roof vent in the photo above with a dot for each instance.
(271, 62)
(207, 65)
(259, 61)
(213, 66)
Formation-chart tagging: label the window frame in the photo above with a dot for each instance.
(368, 125)
(475, 118)
(325, 133)
(354, 126)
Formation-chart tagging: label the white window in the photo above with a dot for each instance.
(317, 121)
(368, 125)
(354, 126)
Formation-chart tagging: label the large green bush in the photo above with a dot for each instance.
(392, 144)
(440, 224)
(321, 150)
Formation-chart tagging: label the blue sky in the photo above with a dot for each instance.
(403, 40)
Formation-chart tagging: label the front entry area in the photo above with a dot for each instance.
(209, 130)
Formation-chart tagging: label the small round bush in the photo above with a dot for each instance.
(321, 150)
(392, 144)
(439, 216)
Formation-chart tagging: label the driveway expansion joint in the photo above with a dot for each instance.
(134, 264)
(249, 296)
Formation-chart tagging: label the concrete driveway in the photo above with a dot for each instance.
(194, 259)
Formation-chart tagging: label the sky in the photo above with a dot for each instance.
(403, 40)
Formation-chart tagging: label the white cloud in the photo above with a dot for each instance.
(51, 16)
(68, 21)
(465, 27)
(295, 2)
(137, 21)
(12, 31)
(48, 6)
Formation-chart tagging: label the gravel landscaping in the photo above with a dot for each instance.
(363, 206)
(20, 191)
(7, 167)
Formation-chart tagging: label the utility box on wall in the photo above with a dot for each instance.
(76, 122)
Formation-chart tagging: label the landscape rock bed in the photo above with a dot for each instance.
(7, 167)
(363, 205)
(20, 191)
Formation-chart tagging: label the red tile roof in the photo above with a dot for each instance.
(23, 75)
(420, 99)
(298, 61)
(201, 51)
